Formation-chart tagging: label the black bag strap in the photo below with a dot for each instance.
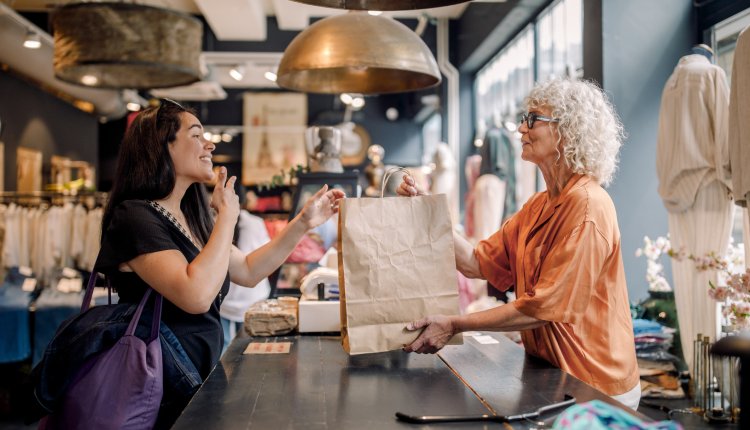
(137, 316)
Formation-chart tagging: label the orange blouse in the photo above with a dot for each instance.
(563, 256)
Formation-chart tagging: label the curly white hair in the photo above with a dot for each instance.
(589, 127)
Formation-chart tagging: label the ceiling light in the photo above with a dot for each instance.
(89, 80)
(237, 73)
(271, 76)
(207, 135)
(133, 106)
(216, 138)
(32, 40)
(357, 53)
(358, 102)
(391, 113)
(346, 98)
(126, 45)
(381, 4)
(374, 12)
(226, 137)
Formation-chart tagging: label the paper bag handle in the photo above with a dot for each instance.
(387, 176)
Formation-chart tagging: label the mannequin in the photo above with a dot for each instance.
(375, 170)
(471, 170)
(693, 168)
(444, 176)
(704, 50)
(498, 159)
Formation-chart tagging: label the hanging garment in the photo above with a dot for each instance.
(692, 162)
(703, 229)
(692, 148)
(739, 126)
(252, 236)
(489, 198)
(498, 159)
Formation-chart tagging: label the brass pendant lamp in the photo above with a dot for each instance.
(357, 53)
(381, 4)
(125, 45)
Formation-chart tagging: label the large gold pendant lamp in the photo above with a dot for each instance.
(125, 45)
(381, 4)
(357, 53)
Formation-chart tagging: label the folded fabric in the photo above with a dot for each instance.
(647, 336)
(653, 364)
(641, 326)
(670, 382)
(658, 355)
(650, 390)
(597, 415)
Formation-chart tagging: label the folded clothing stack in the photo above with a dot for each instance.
(659, 375)
(269, 318)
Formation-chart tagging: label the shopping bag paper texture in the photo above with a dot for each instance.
(396, 265)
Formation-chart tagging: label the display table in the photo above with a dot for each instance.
(318, 386)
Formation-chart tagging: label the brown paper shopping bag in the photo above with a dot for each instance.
(396, 265)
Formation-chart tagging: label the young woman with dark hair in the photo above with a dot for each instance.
(158, 231)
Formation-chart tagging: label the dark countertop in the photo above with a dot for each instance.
(318, 386)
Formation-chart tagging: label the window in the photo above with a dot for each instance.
(502, 84)
(724, 39)
(560, 40)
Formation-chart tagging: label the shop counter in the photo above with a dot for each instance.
(316, 385)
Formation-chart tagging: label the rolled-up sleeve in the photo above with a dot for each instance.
(494, 256)
(568, 277)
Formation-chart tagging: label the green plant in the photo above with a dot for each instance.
(283, 178)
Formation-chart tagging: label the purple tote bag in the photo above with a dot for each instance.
(122, 387)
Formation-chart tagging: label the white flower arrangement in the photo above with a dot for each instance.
(733, 290)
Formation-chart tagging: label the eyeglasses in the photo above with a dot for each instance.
(531, 118)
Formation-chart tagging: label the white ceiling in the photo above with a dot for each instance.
(243, 20)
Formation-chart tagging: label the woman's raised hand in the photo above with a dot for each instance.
(408, 187)
(321, 206)
(224, 200)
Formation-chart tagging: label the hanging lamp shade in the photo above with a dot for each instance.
(125, 45)
(381, 4)
(357, 53)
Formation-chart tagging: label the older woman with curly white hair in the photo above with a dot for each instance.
(561, 251)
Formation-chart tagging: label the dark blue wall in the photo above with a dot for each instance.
(640, 49)
(37, 120)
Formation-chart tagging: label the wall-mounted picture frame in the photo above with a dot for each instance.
(28, 170)
(274, 134)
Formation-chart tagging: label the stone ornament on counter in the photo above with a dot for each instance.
(270, 318)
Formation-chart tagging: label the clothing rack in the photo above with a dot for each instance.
(89, 199)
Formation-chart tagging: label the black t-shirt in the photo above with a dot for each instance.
(138, 228)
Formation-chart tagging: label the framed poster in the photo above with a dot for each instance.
(274, 136)
(28, 170)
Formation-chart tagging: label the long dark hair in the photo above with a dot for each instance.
(145, 170)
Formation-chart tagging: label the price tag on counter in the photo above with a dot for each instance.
(268, 348)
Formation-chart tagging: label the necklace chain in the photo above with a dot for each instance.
(162, 210)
